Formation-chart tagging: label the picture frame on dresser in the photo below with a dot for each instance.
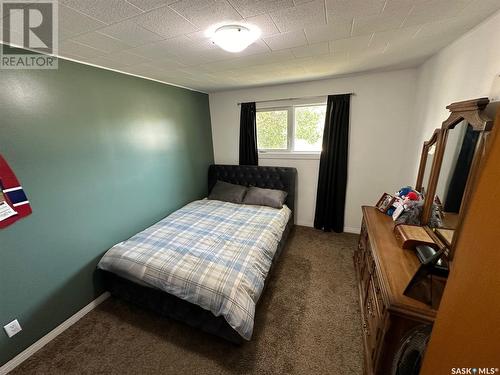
(385, 202)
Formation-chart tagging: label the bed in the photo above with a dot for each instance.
(230, 250)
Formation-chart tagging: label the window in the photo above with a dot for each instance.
(291, 129)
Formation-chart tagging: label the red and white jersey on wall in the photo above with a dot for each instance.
(14, 204)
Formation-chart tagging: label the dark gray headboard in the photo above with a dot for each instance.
(282, 178)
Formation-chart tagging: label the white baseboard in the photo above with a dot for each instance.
(354, 230)
(28, 352)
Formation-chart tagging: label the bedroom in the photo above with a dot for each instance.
(117, 136)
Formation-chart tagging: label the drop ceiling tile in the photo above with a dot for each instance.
(354, 8)
(249, 8)
(108, 63)
(74, 48)
(107, 11)
(127, 58)
(72, 23)
(165, 22)
(275, 57)
(130, 32)
(167, 64)
(198, 36)
(298, 17)
(311, 50)
(371, 24)
(193, 57)
(434, 10)
(286, 40)
(350, 44)
(182, 45)
(179, 44)
(152, 51)
(264, 23)
(337, 28)
(101, 42)
(485, 7)
(453, 26)
(398, 6)
(205, 13)
(150, 4)
(255, 48)
(403, 35)
(418, 48)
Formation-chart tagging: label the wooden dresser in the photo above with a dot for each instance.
(383, 271)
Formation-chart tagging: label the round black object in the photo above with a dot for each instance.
(408, 358)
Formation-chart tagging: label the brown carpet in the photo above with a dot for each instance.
(307, 322)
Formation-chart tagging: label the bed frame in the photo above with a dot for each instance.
(171, 306)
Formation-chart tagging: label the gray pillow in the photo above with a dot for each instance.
(265, 197)
(223, 191)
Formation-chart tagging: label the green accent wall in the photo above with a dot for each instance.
(101, 156)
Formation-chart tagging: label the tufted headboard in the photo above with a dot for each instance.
(282, 178)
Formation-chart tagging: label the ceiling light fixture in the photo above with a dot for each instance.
(235, 38)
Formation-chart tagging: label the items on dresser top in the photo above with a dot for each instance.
(385, 202)
(409, 236)
(427, 253)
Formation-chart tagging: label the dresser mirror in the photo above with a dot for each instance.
(460, 145)
(426, 160)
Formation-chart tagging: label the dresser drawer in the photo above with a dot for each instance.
(377, 292)
(374, 322)
(370, 263)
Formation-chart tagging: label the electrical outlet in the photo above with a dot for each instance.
(12, 328)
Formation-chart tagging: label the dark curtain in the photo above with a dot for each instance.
(461, 173)
(332, 181)
(248, 135)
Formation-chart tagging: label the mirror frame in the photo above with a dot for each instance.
(471, 111)
(423, 158)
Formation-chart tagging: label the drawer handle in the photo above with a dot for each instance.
(365, 329)
(369, 307)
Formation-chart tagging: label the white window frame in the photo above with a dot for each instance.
(289, 152)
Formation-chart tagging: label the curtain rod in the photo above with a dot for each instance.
(304, 97)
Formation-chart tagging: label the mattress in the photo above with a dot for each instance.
(210, 253)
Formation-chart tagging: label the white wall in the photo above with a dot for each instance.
(382, 113)
(466, 69)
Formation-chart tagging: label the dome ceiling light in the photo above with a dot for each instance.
(235, 38)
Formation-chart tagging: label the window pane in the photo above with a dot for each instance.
(272, 129)
(309, 123)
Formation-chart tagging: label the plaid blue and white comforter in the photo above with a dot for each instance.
(211, 253)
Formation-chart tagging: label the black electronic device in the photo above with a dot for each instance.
(425, 252)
